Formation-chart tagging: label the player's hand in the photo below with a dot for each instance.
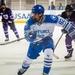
(63, 31)
(30, 35)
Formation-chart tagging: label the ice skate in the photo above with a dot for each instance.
(44, 74)
(68, 56)
(18, 39)
(7, 39)
(21, 71)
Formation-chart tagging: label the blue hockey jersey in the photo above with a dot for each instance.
(37, 31)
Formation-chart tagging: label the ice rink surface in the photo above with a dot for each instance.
(12, 55)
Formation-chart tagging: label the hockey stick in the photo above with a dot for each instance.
(33, 48)
(12, 41)
(56, 46)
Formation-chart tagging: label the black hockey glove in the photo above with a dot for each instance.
(63, 31)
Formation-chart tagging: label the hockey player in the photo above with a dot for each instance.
(69, 15)
(38, 31)
(7, 20)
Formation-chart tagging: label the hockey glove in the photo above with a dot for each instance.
(30, 36)
(9, 21)
(63, 31)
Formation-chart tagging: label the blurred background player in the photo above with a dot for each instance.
(39, 31)
(8, 20)
(69, 15)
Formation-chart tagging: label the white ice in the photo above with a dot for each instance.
(12, 55)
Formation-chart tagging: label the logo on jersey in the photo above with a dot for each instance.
(61, 21)
(53, 17)
(5, 16)
(12, 17)
(42, 33)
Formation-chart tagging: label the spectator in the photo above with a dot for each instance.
(49, 7)
(52, 6)
(60, 6)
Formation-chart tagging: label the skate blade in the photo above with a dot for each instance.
(68, 59)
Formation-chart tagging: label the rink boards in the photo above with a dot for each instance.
(21, 16)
